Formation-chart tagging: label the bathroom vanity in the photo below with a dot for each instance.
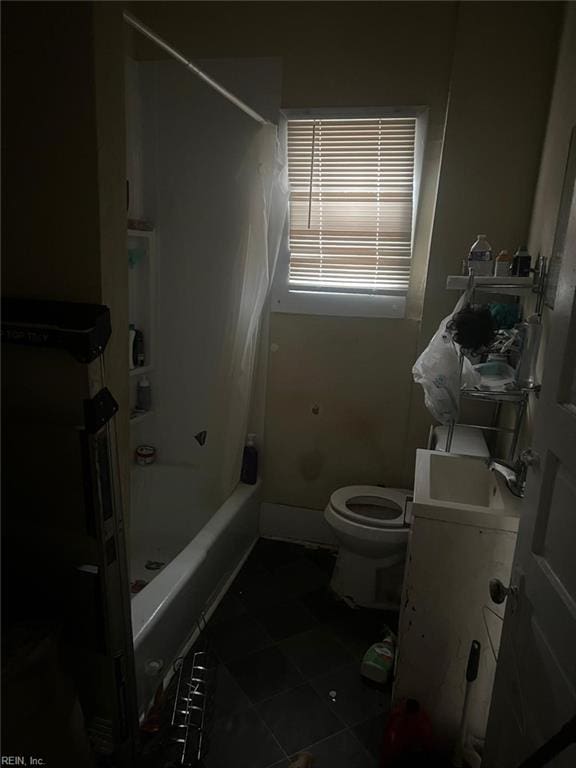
(464, 527)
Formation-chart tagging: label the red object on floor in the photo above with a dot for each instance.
(152, 722)
(407, 734)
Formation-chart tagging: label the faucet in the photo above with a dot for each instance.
(515, 474)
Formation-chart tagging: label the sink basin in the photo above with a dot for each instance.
(462, 489)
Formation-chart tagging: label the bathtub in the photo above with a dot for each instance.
(173, 523)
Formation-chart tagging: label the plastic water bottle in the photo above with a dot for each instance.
(480, 257)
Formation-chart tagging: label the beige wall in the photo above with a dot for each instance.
(355, 372)
(51, 241)
(64, 239)
(64, 226)
(496, 121)
(494, 131)
(108, 94)
(493, 64)
(372, 417)
(561, 121)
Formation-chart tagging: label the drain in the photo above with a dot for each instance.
(154, 565)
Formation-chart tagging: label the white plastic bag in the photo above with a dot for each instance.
(438, 371)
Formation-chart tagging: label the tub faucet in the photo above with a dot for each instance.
(515, 474)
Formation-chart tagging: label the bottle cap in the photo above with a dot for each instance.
(250, 438)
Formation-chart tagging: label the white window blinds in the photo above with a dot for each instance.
(351, 201)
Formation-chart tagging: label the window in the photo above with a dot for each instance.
(352, 203)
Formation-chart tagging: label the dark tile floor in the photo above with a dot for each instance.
(288, 673)
(287, 654)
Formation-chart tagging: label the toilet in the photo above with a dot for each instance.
(372, 526)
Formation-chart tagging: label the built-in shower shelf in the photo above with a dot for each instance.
(138, 417)
(142, 370)
(146, 233)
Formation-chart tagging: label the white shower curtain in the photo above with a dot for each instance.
(265, 176)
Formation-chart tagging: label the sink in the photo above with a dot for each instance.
(462, 480)
(462, 489)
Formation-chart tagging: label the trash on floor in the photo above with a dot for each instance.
(378, 660)
(407, 735)
(304, 760)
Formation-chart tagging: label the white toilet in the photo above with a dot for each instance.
(372, 525)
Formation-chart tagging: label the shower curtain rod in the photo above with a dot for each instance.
(147, 32)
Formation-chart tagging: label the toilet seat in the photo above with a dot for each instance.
(371, 505)
(372, 528)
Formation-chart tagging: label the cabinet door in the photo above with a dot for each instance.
(445, 607)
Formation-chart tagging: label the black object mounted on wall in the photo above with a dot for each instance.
(81, 329)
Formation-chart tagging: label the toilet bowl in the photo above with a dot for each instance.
(372, 526)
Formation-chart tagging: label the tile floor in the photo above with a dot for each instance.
(283, 644)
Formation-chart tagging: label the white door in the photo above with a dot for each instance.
(535, 688)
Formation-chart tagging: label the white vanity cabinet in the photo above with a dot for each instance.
(463, 534)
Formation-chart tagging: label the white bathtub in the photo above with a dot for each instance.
(172, 513)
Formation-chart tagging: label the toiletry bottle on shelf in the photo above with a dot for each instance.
(503, 264)
(131, 337)
(249, 473)
(143, 394)
(138, 348)
(480, 257)
(521, 262)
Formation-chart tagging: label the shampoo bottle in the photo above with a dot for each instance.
(249, 473)
(143, 394)
(138, 348)
(131, 337)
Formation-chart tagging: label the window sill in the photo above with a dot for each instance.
(338, 304)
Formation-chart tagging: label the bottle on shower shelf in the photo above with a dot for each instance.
(249, 473)
(138, 349)
(131, 337)
(143, 394)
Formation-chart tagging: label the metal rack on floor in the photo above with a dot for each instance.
(191, 713)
